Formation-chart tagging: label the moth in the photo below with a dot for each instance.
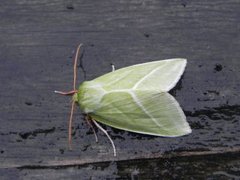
(133, 98)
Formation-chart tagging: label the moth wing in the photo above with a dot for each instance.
(146, 112)
(156, 75)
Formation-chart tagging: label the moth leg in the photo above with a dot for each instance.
(88, 119)
(113, 67)
(105, 132)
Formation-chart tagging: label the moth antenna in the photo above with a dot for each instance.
(70, 127)
(74, 74)
(75, 66)
(105, 132)
(66, 93)
(72, 92)
(91, 126)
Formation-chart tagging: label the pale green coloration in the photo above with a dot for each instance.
(136, 98)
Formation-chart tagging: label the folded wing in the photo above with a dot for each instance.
(142, 111)
(156, 75)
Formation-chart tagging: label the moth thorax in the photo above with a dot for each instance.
(89, 97)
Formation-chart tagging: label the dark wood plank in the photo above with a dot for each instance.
(38, 39)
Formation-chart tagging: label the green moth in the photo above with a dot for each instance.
(134, 98)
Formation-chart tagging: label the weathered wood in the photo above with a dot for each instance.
(38, 39)
(105, 159)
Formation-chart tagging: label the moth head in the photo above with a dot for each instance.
(75, 97)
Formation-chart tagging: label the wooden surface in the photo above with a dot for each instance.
(37, 42)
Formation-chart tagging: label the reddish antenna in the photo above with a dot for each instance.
(72, 92)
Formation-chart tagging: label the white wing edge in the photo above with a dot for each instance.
(189, 131)
(180, 69)
(157, 61)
